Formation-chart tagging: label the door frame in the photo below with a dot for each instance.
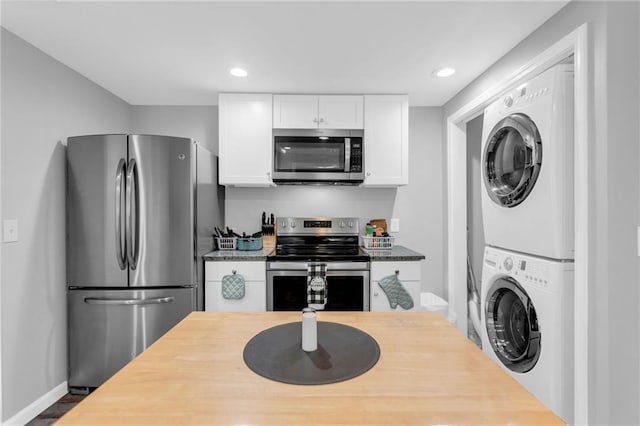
(576, 44)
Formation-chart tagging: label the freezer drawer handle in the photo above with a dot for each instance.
(155, 301)
(120, 171)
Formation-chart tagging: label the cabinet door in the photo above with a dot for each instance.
(410, 276)
(245, 139)
(380, 301)
(254, 300)
(255, 290)
(386, 136)
(340, 112)
(295, 111)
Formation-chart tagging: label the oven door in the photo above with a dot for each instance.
(348, 286)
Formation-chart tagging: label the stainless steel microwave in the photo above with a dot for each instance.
(318, 156)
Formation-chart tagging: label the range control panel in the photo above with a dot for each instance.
(523, 270)
(317, 226)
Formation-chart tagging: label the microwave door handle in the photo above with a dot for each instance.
(347, 155)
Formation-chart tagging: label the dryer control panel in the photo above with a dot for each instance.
(524, 270)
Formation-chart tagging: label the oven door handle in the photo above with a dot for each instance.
(329, 273)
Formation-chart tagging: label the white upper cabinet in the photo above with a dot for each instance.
(245, 139)
(318, 112)
(340, 112)
(386, 140)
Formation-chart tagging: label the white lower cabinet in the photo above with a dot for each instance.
(409, 274)
(255, 293)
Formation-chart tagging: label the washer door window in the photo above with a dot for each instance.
(512, 325)
(512, 159)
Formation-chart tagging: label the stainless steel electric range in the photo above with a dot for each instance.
(305, 242)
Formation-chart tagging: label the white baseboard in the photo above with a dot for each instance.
(38, 406)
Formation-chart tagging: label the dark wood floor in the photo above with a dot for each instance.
(57, 410)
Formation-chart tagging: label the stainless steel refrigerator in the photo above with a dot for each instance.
(140, 215)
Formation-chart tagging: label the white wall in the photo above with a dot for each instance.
(43, 102)
(614, 333)
(417, 205)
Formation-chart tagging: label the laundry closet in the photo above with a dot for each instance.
(522, 234)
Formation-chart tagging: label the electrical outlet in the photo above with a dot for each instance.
(395, 225)
(10, 231)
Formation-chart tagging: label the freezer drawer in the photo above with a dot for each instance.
(108, 328)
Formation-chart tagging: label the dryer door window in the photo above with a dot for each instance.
(512, 325)
(512, 159)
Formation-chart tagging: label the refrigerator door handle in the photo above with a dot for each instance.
(153, 301)
(120, 255)
(132, 214)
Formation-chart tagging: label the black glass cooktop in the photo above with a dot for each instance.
(318, 248)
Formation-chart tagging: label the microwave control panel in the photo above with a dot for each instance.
(356, 156)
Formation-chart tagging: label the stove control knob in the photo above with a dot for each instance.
(342, 224)
(293, 224)
(508, 264)
(350, 224)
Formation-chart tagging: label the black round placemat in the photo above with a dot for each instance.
(343, 353)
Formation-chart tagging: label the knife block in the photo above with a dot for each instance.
(268, 236)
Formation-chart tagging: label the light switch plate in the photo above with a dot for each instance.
(395, 225)
(10, 230)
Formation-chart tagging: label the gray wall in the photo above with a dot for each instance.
(197, 122)
(614, 322)
(475, 238)
(417, 205)
(43, 102)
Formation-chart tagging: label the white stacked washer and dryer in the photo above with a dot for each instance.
(527, 207)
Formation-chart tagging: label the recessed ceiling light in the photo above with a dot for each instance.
(444, 72)
(238, 72)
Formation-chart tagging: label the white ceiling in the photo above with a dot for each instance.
(180, 53)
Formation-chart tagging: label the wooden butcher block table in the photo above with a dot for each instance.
(428, 373)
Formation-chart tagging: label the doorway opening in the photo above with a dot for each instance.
(573, 45)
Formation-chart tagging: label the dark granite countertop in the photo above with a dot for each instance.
(238, 255)
(397, 253)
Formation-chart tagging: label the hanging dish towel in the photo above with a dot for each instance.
(233, 286)
(396, 293)
(317, 285)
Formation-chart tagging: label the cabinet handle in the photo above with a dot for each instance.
(322, 120)
(368, 173)
(315, 120)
